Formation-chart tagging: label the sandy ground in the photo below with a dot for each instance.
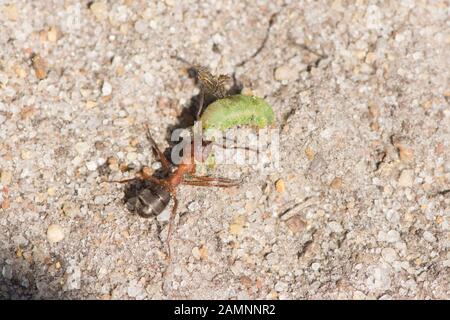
(361, 92)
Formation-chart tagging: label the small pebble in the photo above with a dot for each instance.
(196, 253)
(6, 177)
(82, 147)
(315, 266)
(281, 286)
(309, 152)
(389, 254)
(336, 183)
(428, 236)
(392, 236)
(406, 154)
(71, 209)
(39, 67)
(280, 186)
(11, 12)
(406, 178)
(236, 229)
(296, 224)
(286, 73)
(193, 206)
(53, 34)
(106, 89)
(335, 227)
(131, 156)
(55, 233)
(7, 272)
(100, 10)
(91, 165)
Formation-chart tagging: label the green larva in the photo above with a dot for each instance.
(237, 110)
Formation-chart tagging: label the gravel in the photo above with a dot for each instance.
(362, 97)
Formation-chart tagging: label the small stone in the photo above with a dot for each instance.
(106, 89)
(55, 233)
(82, 147)
(91, 165)
(7, 272)
(428, 236)
(39, 67)
(246, 281)
(296, 224)
(389, 254)
(193, 206)
(131, 156)
(20, 72)
(141, 26)
(406, 154)
(236, 229)
(5, 204)
(11, 12)
(196, 253)
(335, 227)
(91, 104)
(71, 209)
(51, 191)
(100, 10)
(281, 286)
(309, 152)
(336, 183)
(26, 155)
(406, 178)
(6, 177)
(280, 186)
(53, 34)
(286, 73)
(164, 216)
(203, 252)
(392, 236)
(315, 266)
(156, 165)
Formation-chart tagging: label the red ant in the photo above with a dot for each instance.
(154, 199)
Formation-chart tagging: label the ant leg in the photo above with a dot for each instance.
(171, 219)
(214, 179)
(211, 181)
(200, 104)
(209, 184)
(165, 163)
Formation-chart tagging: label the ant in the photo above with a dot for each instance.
(154, 199)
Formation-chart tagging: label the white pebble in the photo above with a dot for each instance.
(406, 178)
(156, 165)
(91, 165)
(193, 206)
(286, 72)
(281, 286)
(335, 227)
(106, 89)
(389, 254)
(315, 266)
(392, 236)
(55, 233)
(428, 236)
(7, 272)
(82, 147)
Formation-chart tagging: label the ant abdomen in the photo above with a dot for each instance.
(149, 202)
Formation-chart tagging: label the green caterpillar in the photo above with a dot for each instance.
(237, 110)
